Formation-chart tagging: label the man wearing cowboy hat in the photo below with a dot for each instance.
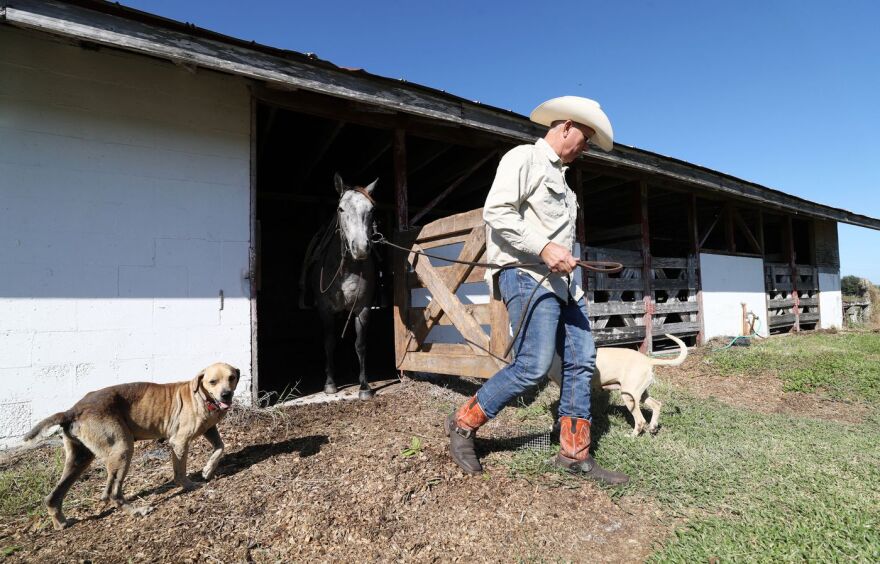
(531, 212)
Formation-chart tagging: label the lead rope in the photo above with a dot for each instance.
(605, 267)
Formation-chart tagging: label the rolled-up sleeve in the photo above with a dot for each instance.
(502, 211)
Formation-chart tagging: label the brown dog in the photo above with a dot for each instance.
(105, 423)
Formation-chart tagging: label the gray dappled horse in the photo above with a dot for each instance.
(342, 275)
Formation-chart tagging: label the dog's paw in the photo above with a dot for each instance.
(61, 524)
(187, 485)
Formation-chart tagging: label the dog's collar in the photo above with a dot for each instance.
(211, 404)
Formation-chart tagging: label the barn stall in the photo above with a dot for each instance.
(236, 144)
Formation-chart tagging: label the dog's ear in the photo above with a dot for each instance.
(196, 382)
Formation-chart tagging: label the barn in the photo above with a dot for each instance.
(160, 183)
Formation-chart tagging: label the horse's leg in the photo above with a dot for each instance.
(360, 345)
(327, 319)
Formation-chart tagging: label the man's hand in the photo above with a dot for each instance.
(558, 258)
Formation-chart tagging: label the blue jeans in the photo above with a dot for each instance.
(551, 326)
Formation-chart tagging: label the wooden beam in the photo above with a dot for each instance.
(647, 271)
(254, 256)
(581, 226)
(467, 174)
(792, 260)
(753, 241)
(400, 176)
(694, 232)
(450, 225)
(702, 239)
(761, 230)
(499, 324)
(402, 335)
(729, 236)
(472, 366)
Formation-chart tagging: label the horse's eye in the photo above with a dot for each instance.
(340, 209)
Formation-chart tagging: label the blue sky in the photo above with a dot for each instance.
(783, 93)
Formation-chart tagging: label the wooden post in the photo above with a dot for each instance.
(792, 265)
(694, 231)
(400, 264)
(400, 186)
(648, 344)
(761, 232)
(581, 225)
(581, 232)
(400, 268)
(728, 228)
(254, 257)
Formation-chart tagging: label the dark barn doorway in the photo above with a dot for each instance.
(297, 156)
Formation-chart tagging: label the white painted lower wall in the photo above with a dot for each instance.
(727, 283)
(124, 212)
(830, 300)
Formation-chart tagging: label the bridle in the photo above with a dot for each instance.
(345, 247)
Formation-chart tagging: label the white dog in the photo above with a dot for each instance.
(632, 373)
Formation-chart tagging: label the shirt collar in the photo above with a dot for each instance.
(551, 155)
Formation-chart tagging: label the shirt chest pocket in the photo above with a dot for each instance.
(553, 199)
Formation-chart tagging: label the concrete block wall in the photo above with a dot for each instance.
(830, 299)
(124, 212)
(727, 283)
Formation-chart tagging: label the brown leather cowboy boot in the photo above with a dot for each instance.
(460, 428)
(574, 452)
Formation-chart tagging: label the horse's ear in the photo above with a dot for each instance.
(371, 187)
(340, 185)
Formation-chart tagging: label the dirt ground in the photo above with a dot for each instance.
(330, 482)
(759, 391)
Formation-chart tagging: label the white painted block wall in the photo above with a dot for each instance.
(124, 211)
(830, 300)
(727, 282)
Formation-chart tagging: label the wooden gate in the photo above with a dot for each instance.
(480, 353)
(620, 305)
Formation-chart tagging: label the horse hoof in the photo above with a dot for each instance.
(366, 394)
(330, 389)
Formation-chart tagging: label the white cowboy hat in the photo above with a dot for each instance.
(582, 110)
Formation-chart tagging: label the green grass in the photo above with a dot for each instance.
(748, 486)
(754, 487)
(843, 365)
(23, 486)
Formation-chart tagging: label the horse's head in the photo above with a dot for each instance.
(355, 216)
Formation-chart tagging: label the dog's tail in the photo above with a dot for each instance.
(682, 354)
(62, 418)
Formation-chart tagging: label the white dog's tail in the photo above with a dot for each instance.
(682, 354)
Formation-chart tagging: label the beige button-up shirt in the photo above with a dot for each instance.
(528, 206)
